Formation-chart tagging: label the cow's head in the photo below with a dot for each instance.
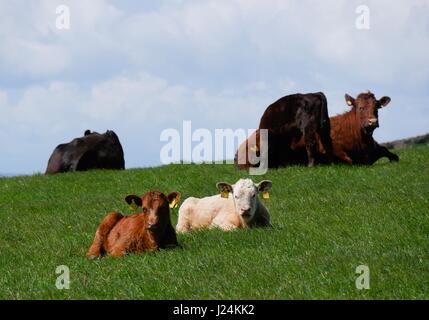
(366, 106)
(244, 193)
(156, 205)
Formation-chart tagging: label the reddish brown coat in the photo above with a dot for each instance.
(352, 132)
(147, 231)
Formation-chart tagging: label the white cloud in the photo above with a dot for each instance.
(34, 58)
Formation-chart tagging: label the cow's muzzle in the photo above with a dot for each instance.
(373, 123)
(245, 213)
(153, 226)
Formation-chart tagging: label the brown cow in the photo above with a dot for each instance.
(352, 131)
(147, 231)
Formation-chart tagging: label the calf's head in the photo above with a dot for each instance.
(366, 107)
(244, 193)
(156, 205)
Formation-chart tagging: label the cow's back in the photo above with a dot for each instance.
(289, 120)
(201, 212)
(93, 151)
(131, 233)
(280, 116)
(102, 151)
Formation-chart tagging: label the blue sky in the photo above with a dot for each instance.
(139, 67)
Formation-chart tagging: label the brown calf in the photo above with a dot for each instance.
(147, 231)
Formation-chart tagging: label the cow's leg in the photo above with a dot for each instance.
(310, 145)
(225, 226)
(95, 251)
(343, 156)
(183, 224)
(118, 251)
(273, 151)
(97, 248)
(225, 222)
(326, 141)
(381, 152)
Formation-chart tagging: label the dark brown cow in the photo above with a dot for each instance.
(288, 120)
(150, 230)
(92, 151)
(352, 131)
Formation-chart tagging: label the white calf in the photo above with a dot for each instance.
(238, 206)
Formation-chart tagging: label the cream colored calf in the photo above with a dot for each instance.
(238, 207)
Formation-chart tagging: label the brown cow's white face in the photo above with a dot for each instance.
(244, 194)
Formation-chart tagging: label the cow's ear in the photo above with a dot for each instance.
(224, 187)
(174, 198)
(134, 199)
(264, 185)
(87, 132)
(384, 101)
(350, 100)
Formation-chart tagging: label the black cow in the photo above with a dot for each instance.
(92, 151)
(287, 121)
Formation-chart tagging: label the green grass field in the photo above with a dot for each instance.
(327, 221)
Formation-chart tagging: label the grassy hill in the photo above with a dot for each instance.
(327, 221)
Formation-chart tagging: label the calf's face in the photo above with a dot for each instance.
(244, 193)
(366, 106)
(156, 206)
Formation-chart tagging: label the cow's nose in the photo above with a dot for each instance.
(152, 226)
(245, 211)
(373, 122)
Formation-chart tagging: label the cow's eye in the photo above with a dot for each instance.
(144, 210)
(236, 197)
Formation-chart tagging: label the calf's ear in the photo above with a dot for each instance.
(133, 199)
(174, 198)
(87, 132)
(224, 188)
(384, 101)
(350, 100)
(264, 185)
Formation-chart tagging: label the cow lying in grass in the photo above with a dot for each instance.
(238, 206)
(352, 132)
(351, 135)
(147, 231)
(92, 151)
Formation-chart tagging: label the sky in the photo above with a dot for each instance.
(140, 67)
